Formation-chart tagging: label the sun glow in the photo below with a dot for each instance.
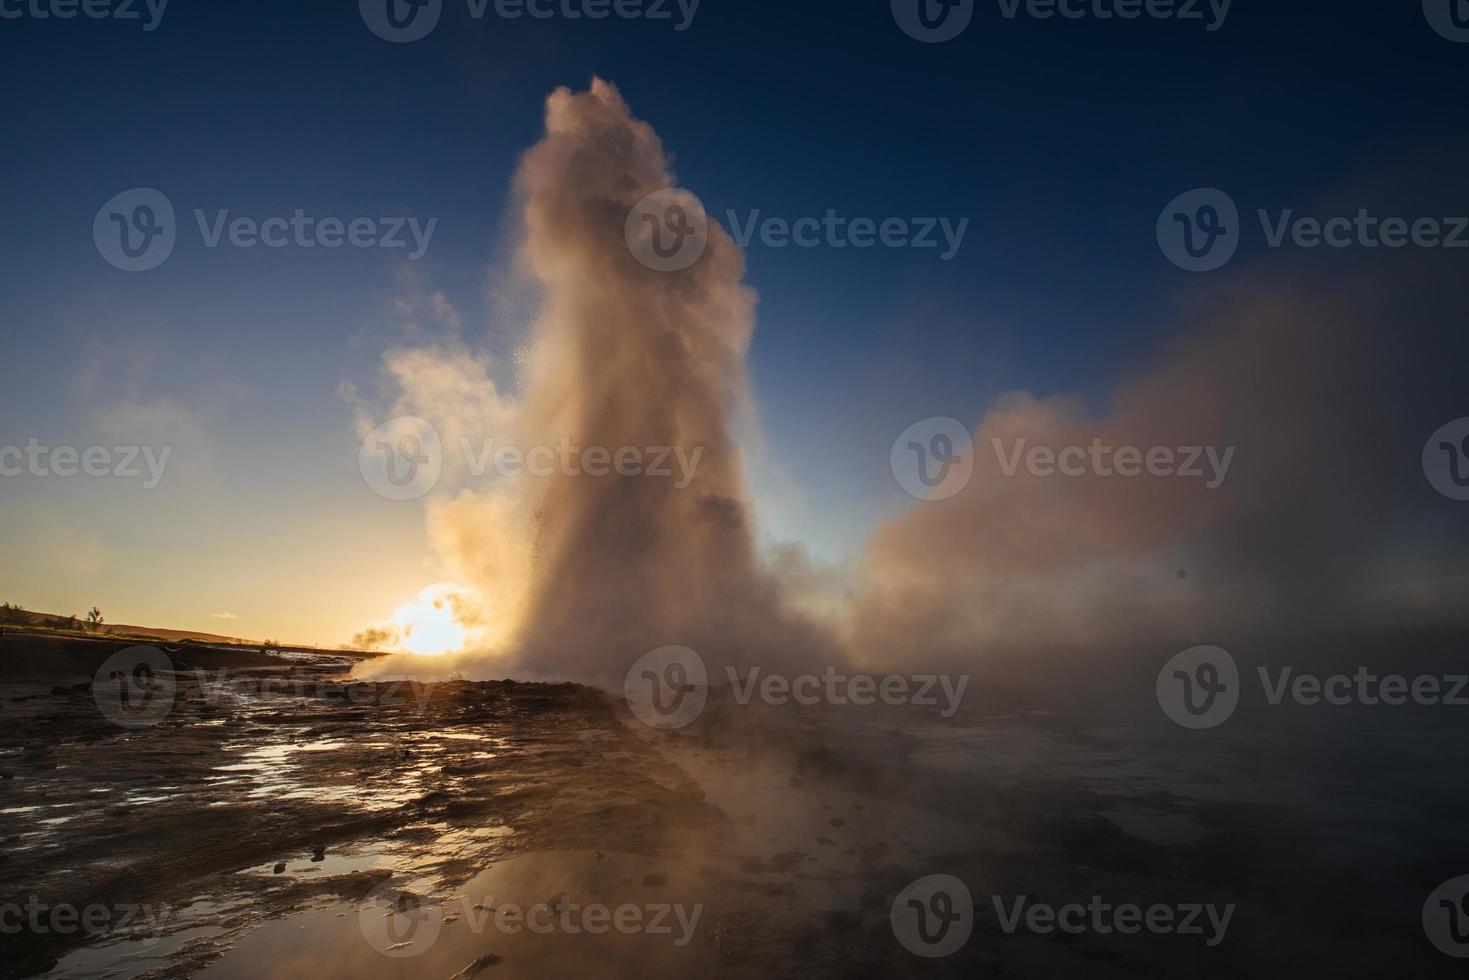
(432, 625)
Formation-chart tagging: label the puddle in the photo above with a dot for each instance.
(549, 914)
(122, 959)
(361, 857)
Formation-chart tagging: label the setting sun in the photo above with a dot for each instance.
(429, 625)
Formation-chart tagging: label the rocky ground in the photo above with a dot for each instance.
(281, 821)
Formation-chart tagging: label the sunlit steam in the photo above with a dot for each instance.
(581, 574)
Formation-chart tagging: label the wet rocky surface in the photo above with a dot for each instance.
(274, 782)
(282, 821)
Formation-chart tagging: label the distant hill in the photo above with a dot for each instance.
(40, 620)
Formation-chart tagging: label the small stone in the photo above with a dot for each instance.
(488, 960)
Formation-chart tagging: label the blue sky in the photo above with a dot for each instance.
(1059, 141)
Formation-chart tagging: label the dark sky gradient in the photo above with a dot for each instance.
(1060, 141)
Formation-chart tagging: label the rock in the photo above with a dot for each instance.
(319, 853)
(473, 969)
(280, 867)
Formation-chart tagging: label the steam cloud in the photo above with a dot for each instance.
(1027, 559)
(582, 575)
(577, 576)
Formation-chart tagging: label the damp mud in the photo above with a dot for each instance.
(282, 820)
